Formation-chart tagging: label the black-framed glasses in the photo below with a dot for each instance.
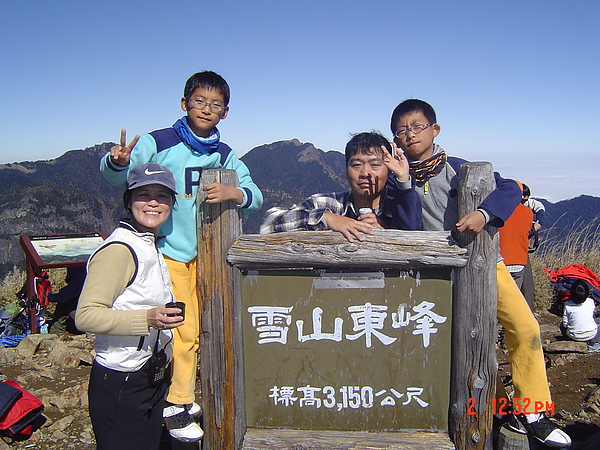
(416, 129)
(198, 103)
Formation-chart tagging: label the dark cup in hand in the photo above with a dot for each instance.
(179, 305)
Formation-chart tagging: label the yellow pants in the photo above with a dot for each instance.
(186, 340)
(522, 341)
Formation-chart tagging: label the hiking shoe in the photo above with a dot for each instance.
(547, 433)
(594, 347)
(194, 409)
(514, 424)
(181, 424)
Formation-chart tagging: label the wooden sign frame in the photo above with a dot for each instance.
(223, 252)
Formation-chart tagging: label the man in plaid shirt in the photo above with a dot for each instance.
(369, 161)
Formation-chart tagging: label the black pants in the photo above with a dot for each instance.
(593, 340)
(126, 411)
(528, 289)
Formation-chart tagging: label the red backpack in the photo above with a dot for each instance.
(43, 288)
(20, 411)
(562, 279)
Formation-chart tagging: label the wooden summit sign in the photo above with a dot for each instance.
(309, 341)
(347, 350)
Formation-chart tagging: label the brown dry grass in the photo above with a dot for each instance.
(14, 280)
(12, 283)
(582, 246)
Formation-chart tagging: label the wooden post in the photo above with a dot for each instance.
(221, 362)
(474, 320)
(31, 297)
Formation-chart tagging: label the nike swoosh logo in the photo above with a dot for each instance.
(149, 172)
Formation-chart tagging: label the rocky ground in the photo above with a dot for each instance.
(56, 370)
(574, 378)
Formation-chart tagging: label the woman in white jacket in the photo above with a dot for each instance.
(123, 303)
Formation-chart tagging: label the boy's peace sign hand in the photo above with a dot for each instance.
(398, 164)
(120, 154)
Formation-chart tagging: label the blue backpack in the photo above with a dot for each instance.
(13, 325)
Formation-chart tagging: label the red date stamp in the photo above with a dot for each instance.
(503, 406)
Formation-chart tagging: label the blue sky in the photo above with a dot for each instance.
(513, 82)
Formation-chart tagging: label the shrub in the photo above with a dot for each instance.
(14, 280)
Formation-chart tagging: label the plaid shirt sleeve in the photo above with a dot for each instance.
(307, 215)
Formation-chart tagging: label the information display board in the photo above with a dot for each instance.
(347, 350)
(60, 250)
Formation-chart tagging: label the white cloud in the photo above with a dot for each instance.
(555, 180)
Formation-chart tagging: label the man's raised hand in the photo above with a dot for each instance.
(120, 154)
(398, 164)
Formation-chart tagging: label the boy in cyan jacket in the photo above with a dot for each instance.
(414, 126)
(192, 144)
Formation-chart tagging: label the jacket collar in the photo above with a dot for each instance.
(128, 225)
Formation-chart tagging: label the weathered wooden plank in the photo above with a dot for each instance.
(261, 439)
(474, 365)
(221, 354)
(328, 249)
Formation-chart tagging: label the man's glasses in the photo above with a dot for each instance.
(416, 129)
(201, 104)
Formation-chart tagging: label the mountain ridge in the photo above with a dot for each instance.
(69, 194)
